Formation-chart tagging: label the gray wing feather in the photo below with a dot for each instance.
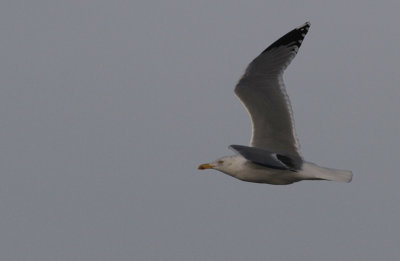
(268, 158)
(262, 92)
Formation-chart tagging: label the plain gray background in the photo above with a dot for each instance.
(108, 107)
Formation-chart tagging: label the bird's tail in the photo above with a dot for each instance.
(314, 171)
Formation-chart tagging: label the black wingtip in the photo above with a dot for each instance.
(293, 38)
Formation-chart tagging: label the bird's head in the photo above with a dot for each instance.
(224, 164)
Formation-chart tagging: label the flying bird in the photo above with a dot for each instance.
(273, 156)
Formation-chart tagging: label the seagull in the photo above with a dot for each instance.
(273, 156)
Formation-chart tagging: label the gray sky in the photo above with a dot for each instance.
(108, 107)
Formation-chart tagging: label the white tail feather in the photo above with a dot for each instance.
(314, 171)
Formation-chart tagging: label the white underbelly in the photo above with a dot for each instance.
(260, 174)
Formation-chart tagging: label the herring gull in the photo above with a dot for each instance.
(273, 156)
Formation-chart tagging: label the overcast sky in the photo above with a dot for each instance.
(108, 107)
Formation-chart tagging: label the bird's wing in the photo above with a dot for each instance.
(267, 158)
(262, 92)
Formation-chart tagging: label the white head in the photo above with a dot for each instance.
(228, 165)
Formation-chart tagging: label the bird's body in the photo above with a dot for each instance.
(273, 156)
(246, 170)
(240, 168)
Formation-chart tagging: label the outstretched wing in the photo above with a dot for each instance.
(262, 92)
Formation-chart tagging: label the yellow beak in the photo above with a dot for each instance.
(205, 166)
